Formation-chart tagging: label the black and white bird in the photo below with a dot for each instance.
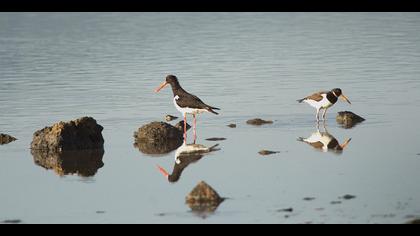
(186, 103)
(324, 100)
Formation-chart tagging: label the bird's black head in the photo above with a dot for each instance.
(337, 92)
(170, 79)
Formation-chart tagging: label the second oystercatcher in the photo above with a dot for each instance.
(186, 103)
(324, 100)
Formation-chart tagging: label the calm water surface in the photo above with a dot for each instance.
(63, 66)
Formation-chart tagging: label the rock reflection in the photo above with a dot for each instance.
(184, 156)
(82, 163)
(324, 141)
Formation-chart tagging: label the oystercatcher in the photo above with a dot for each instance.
(324, 100)
(186, 103)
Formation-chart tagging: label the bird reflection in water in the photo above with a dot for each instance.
(324, 141)
(184, 156)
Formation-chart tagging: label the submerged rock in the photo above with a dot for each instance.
(231, 125)
(266, 152)
(285, 210)
(80, 134)
(158, 138)
(216, 139)
(348, 119)
(347, 197)
(259, 121)
(170, 118)
(5, 139)
(203, 198)
(84, 163)
(13, 221)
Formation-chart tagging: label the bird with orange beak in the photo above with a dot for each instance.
(186, 103)
(324, 100)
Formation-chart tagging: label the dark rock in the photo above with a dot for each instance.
(347, 197)
(414, 222)
(309, 199)
(180, 126)
(100, 212)
(348, 119)
(285, 210)
(231, 125)
(170, 118)
(266, 152)
(335, 202)
(158, 138)
(81, 134)
(259, 121)
(203, 198)
(14, 221)
(216, 139)
(84, 163)
(5, 139)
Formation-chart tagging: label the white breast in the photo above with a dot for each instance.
(324, 103)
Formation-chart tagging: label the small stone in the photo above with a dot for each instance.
(266, 152)
(348, 119)
(285, 210)
(309, 199)
(335, 202)
(259, 121)
(216, 139)
(5, 139)
(14, 221)
(231, 125)
(203, 198)
(347, 197)
(158, 137)
(170, 118)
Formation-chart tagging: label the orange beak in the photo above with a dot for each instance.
(161, 87)
(345, 98)
(163, 171)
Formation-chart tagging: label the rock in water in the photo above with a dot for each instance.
(266, 152)
(158, 138)
(258, 121)
(170, 118)
(83, 163)
(5, 139)
(80, 134)
(348, 119)
(203, 198)
(231, 125)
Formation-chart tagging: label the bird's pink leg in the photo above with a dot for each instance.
(195, 128)
(185, 128)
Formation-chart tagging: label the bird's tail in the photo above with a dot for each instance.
(211, 109)
(301, 100)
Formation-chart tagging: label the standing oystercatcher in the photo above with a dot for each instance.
(186, 103)
(324, 100)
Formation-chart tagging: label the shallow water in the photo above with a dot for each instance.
(63, 66)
